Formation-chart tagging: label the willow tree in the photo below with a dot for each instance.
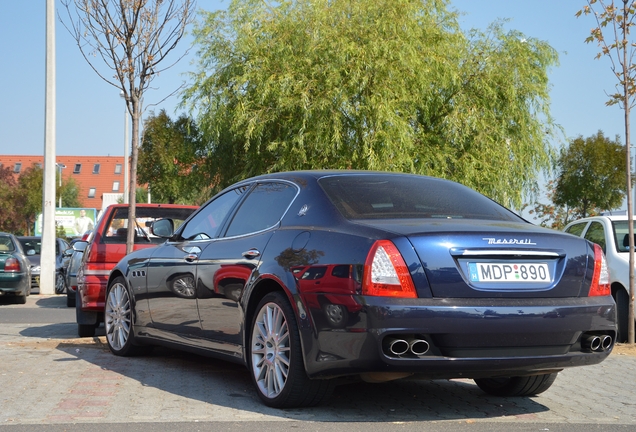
(613, 36)
(127, 42)
(385, 85)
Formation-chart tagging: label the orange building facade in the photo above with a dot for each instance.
(95, 175)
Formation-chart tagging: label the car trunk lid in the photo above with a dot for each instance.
(479, 259)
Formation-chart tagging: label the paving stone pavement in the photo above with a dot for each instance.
(47, 376)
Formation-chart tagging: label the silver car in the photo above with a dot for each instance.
(71, 271)
(32, 246)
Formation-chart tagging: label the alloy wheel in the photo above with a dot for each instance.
(60, 285)
(118, 316)
(270, 350)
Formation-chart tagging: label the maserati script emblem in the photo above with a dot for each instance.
(496, 241)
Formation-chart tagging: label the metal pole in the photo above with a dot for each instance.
(47, 261)
(60, 203)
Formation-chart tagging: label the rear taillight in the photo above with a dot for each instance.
(11, 265)
(386, 273)
(600, 280)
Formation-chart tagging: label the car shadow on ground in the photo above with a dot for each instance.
(44, 301)
(219, 383)
(208, 382)
(58, 301)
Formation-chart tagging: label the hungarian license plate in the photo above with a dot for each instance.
(503, 272)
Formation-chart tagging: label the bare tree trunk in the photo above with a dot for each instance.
(133, 38)
(132, 186)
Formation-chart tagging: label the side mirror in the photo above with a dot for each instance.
(80, 246)
(31, 252)
(67, 252)
(162, 228)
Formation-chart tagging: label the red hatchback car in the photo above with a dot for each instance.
(107, 247)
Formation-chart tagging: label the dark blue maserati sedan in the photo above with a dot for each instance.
(310, 277)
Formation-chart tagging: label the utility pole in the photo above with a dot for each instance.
(47, 261)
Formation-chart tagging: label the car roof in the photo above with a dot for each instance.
(606, 217)
(154, 205)
(316, 175)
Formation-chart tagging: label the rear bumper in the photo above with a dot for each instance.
(468, 338)
(13, 283)
(92, 291)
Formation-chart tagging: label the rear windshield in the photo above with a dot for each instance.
(378, 196)
(6, 245)
(117, 226)
(31, 245)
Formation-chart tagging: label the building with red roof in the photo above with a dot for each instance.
(100, 178)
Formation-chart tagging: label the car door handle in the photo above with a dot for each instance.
(252, 253)
(191, 257)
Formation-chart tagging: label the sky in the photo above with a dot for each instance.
(90, 113)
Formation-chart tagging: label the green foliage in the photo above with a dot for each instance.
(590, 179)
(551, 215)
(170, 158)
(10, 220)
(591, 175)
(69, 191)
(28, 196)
(141, 195)
(21, 200)
(384, 85)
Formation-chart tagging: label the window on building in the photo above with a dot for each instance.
(116, 186)
(77, 169)
(96, 169)
(118, 169)
(17, 167)
(91, 193)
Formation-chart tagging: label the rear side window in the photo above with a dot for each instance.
(377, 196)
(621, 235)
(263, 208)
(576, 229)
(596, 234)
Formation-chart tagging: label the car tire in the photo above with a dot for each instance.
(622, 314)
(118, 320)
(20, 299)
(275, 357)
(517, 386)
(84, 330)
(70, 298)
(60, 283)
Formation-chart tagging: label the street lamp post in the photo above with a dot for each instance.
(122, 95)
(60, 167)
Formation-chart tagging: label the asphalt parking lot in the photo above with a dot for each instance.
(48, 376)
